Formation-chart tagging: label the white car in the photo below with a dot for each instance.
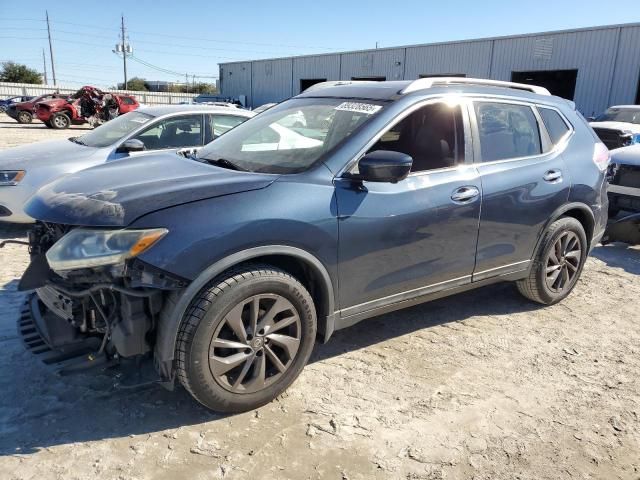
(180, 128)
(619, 126)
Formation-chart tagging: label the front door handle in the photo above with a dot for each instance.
(465, 194)
(552, 176)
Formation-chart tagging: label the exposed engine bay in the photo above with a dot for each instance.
(108, 313)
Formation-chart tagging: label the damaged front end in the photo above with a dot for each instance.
(94, 302)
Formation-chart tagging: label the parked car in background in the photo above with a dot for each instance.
(23, 112)
(4, 104)
(624, 180)
(174, 128)
(88, 105)
(223, 270)
(619, 126)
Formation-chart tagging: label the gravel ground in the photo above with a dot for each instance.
(484, 385)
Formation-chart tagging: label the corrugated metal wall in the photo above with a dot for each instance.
(272, 80)
(235, 79)
(592, 53)
(387, 63)
(470, 58)
(314, 67)
(607, 60)
(627, 73)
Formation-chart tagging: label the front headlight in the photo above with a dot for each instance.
(87, 248)
(11, 177)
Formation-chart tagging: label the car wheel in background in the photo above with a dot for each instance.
(245, 338)
(60, 121)
(24, 117)
(558, 263)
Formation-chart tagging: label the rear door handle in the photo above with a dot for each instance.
(552, 176)
(465, 194)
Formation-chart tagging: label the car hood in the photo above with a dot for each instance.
(116, 194)
(626, 155)
(622, 126)
(43, 153)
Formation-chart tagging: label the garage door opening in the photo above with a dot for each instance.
(307, 82)
(370, 79)
(638, 94)
(559, 82)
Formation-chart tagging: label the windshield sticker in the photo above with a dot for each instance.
(366, 108)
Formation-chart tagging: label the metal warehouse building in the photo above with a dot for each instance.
(596, 67)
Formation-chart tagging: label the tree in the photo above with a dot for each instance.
(18, 73)
(136, 83)
(200, 87)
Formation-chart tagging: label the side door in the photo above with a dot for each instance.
(524, 180)
(218, 123)
(181, 133)
(399, 241)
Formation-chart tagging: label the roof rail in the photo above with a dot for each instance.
(336, 83)
(424, 83)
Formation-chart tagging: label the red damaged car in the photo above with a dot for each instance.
(88, 105)
(23, 112)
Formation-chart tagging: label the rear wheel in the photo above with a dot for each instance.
(245, 338)
(24, 117)
(60, 121)
(558, 263)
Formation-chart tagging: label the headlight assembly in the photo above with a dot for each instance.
(87, 248)
(11, 177)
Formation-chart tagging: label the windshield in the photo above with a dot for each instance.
(112, 131)
(627, 115)
(290, 137)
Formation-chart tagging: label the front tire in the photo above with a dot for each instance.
(60, 121)
(558, 263)
(24, 117)
(245, 338)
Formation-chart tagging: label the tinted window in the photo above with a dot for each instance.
(556, 126)
(175, 132)
(128, 101)
(507, 131)
(432, 135)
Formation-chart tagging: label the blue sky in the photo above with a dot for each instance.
(193, 36)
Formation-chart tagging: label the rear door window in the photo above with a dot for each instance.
(219, 124)
(507, 131)
(557, 128)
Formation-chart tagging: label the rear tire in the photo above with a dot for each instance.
(558, 263)
(229, 356)
(24, 117)
(60, 121)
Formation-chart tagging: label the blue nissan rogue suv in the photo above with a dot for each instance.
(348, 201)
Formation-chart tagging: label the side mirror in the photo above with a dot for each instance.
(384, 166)
(131, 145)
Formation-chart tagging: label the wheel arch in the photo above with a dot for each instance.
(299, 263)
(577, 210)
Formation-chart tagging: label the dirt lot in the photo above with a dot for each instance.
(485, 386)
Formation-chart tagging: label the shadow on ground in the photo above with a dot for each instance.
(39, 409)
(619, 255)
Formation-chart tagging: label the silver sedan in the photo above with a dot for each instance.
(180, 128)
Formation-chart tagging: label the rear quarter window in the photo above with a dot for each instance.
(557, 127)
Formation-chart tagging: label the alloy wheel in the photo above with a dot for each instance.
(60, 121)
(563, 262)
(255, 344)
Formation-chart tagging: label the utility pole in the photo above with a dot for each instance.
(186, 82)
(53, 67)
(44, 65)
(124, 53)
